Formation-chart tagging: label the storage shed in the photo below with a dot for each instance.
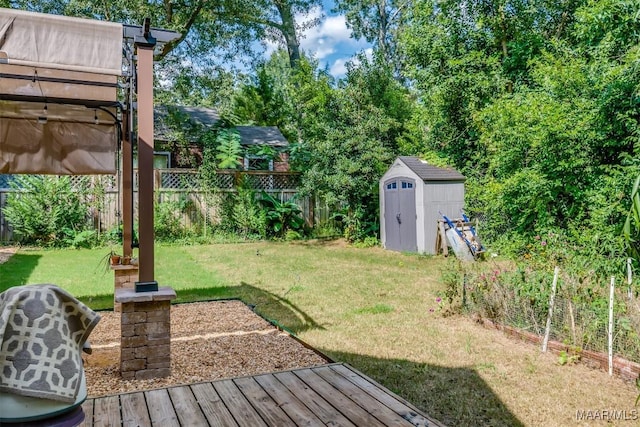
(412, 195)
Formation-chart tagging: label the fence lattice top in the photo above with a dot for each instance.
(189, 179)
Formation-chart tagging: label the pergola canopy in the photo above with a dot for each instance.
(58, 93)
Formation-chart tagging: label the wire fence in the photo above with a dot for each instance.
(581, 317)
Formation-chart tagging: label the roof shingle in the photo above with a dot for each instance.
(429, 172)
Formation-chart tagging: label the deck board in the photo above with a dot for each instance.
(212, 406)
(268, 409)
(161, 408)
(351, 410)
(312, 400)
(186, 407)
(296, 410)
(106, 412)
(238, 405)
(87, 408)
(134, 410)
(334, 395)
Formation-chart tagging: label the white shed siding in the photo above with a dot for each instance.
(441, 196)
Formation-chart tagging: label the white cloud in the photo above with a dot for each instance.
(339, 67)
(330, 41)
(331, 31)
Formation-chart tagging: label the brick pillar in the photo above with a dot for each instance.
(125, 276)
(145, 328)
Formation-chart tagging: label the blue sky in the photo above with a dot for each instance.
(329, 42)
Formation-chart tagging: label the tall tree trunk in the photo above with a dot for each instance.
(383, 28)
(289, 31)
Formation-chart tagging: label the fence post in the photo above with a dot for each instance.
(629, 279)
(611, 325)
(547, 329)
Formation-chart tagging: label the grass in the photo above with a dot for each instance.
(367, 307)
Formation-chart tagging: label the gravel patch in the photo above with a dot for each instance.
(6, 252)
(209, 341)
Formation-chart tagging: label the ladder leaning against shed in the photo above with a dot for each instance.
(460, 234)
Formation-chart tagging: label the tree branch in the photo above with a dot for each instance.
(168, 47)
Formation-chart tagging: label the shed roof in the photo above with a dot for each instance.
(429, 172)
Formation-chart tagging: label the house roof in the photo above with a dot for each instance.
(429, 172)
(256, 135)
(249, 135)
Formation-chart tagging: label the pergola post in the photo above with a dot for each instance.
(127, 185)
(144, 50)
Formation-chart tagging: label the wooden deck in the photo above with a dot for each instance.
(335, 395)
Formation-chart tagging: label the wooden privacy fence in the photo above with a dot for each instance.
(183, 185)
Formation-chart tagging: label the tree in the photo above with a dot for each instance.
(378, 21)
(353, 142)
(207, 29)
(267, 97)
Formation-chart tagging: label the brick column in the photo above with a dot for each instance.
(125, 276)
(145, 328)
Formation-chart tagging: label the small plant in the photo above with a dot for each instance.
(248, 218)
(368, 242)
(281, 216)
(229, 149)
(570, 356)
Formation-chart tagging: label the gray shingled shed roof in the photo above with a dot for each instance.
(249, 135)
(429, 172)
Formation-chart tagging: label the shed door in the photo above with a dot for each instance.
(400, 215)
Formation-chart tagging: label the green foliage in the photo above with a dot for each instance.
(567, 358)
(85, 239)
(229, 150)
(167, 220)
(249, 219)
(357, 128)
(367, 242)
(281, 217)
(47, 210)
(631, 228)
(376, 309)
(243, 213)
(268, 98)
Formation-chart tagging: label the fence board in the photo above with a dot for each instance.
(174, 185)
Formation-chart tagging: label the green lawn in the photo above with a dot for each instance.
(371, 308)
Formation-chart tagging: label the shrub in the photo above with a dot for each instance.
(47, 210)
(281, 217)
(248, 217)
(167, 222)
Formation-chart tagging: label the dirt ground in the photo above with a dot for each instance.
(6, 252)
(209, 341)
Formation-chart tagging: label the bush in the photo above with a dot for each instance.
(281, 217)
(167, 220)
(47, 210)
(248, 218)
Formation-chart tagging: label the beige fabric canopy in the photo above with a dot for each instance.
(60, 42)
(58, 93)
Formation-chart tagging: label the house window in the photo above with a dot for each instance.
(161, 160)
(407, 184)
(257, 163)
(392, 186)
